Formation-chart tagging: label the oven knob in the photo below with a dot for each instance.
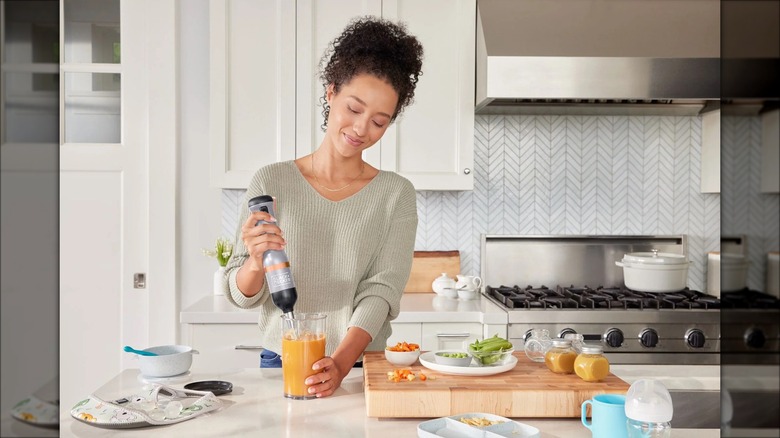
(754, 338)
(527, 335)
(614, 337)
(566, 331)
(648, 338)
(695, 338)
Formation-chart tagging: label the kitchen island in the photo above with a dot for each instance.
(256, 406)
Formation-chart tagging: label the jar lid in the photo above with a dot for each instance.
(561, 342)
(655, 258)
(592, 349)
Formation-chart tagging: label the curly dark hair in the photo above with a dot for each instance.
(375, 46)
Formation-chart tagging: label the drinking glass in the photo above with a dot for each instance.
(303, 343)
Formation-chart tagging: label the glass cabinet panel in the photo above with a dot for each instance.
(92, 31)
(92, 108)
(30, 72)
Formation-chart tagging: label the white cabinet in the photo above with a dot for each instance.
(449, 335)
(265, 90)
(432, 143)
(252, 80)
(224, 345)
(410, 332)
(710, 152)
(432, 336)
(770, 151)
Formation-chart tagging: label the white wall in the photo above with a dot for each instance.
(199, 210)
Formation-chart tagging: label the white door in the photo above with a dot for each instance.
(117, 187)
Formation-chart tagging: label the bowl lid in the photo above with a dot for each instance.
(655, 258)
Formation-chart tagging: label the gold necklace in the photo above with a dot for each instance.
(317, 180)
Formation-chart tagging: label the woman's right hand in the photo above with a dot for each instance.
(261, 237)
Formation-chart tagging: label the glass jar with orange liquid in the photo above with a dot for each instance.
(303, 343)
(560, 358)
(591, 365)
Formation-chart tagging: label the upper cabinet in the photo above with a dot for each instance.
(710, 152)
(770, 151)
(252, 95)
(265, 89)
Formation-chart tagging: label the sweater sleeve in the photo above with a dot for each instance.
(240, 254)
(378, 296)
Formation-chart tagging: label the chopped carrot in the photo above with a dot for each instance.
(423, 377)
(404, 346)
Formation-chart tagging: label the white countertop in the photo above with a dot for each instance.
(415, 307)
(256, 405)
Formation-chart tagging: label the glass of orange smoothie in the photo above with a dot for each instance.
(303, 343)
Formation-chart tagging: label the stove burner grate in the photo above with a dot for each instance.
(570, 297)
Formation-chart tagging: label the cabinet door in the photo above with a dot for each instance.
(448, 335)
(405, 332)
(432, 143)
(318, 23)
(252, 74)
(225, 346)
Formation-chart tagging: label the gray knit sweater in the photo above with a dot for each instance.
(349, 259)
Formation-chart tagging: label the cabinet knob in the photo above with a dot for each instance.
(466, 171)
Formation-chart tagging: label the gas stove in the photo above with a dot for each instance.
(542, 283)
(632, 326)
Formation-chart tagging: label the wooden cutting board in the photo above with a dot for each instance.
(427, 266)
(528, 390)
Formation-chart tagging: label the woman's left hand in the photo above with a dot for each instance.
(327, 380)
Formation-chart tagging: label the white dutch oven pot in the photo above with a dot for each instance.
(654, 271)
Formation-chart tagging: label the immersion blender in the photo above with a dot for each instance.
(276, 264)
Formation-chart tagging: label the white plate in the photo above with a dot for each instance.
(452, 427)
(429, 361)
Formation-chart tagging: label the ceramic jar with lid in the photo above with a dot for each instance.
(444, 282)
(560, 357)
(591, 365)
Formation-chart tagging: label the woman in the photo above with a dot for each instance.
(350, 227)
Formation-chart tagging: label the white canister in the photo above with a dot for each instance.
(713, 273)
(733, 272)
(773, 274)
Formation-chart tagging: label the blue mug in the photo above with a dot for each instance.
(608, 416)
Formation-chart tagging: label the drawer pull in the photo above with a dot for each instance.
(248, 347)
(453, 335)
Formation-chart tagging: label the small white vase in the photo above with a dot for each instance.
(219, 281)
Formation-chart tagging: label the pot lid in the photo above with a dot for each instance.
(655, 258)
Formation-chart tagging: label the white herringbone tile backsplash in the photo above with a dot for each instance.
(745, 210)
(579, 175)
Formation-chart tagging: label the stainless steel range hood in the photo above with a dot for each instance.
(597, 56)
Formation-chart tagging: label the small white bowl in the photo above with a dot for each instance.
(452, 361)
(402, 358)
(172, 360)
(467, 294)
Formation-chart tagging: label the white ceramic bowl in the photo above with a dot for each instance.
(402, 358)
(467, 294)
(452, 361)
(172, 361)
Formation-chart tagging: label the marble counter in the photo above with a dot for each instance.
(422, 307)
(256, 406)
